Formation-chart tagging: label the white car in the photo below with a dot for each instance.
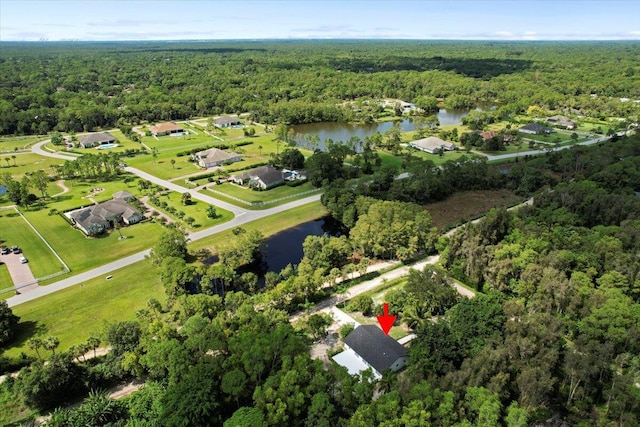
(23, 260)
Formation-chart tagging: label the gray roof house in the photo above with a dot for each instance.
(262, 178)
(368, 347)
(535, 129)
(98, 218)
(215, 157)
(93, 139)
(432, 144)
(561, 121)
(227, 121)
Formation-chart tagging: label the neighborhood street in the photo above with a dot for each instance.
(544, 150)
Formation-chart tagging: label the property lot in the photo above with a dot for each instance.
(16, 231)
(251, 196)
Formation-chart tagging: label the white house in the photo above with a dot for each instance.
(432, 144)
(227, 121)
(261, 178)
(368, 347)
(215, 157)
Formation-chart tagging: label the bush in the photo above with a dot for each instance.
(346, 330)
(296, 183)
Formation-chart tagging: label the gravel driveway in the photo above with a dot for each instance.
(20, 273)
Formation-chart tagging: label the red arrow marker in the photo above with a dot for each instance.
(386, 321)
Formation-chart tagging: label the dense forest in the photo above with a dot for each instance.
(87, 86)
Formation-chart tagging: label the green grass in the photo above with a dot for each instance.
(267, 226)
(197, 210)
(5, 280)
(25, 163)
(75, 313)
(15, 231)
(252, 196)
(82, 253)
(439, 160)
(10, 143)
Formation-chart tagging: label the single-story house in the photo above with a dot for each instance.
(227, 121)
(262, 178)
(168, 128)
(487, 135)
(215, 157)
(368, 347)
(561, 121)
(535, 129)
(98, 218)
(432, 144)
(93, 139)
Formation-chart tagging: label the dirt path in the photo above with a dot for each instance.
(64, 188)
(145, 201)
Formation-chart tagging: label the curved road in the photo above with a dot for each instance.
(241, 217)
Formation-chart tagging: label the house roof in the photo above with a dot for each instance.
(535, 127)
(101, 213)
(431, 143)
(215, 155)
(561, 120)
(165, 127)
(379, 350)
(267, 174)
(124, 195)
(224, 120)
(488, 134)
(97, 137)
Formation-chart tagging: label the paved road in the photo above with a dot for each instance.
(536, 152)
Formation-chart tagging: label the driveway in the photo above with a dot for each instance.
(21, 274)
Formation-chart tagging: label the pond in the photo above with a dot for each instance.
(345, 131)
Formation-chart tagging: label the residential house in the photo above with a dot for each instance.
(368, 347)
(262, 178)
(227, 121)
(168, 128)
(215, 157)
(98, 218)
(561, 121)
(432, 144)
(93, 139)
(535, 129)
(487, 135)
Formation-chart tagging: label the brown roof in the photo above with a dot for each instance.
(488, 134)
(165, 127)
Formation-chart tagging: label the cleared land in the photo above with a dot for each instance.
(196, 210)
(15, 231)
(467, 205)
(25, 163)
(251, 196)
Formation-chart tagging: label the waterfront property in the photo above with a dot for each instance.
(215, 157)
(168, 128)
(94, 139)
(97, 219)
(432, 145)
(368, 347)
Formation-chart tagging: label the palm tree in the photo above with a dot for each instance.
(51, 343)
(35, 344)
(7, 160)
(260, 150)
(93, 342)
(14, 159)
(154, 154)
(173, 163)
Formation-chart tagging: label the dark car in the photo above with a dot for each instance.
(4, 250)
(15, 249)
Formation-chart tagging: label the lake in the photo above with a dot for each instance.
(345, 131)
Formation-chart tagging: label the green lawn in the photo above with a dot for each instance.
(438, 160)
(82, 253)
(5, 279)
(11, 143)
(15, 231)
(26, 162)
(252, 196)
(197, 210)
(75, 313)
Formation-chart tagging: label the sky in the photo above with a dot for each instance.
(97, 20)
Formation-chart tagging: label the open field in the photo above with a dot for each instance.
(15, 231)
(438, 160)
(75, 313)
(466, 205)
(25, 163)
(5, 280)
(11, 143)
(252, 196)
(197, 210)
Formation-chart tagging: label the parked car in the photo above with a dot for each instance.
(15, 249)
(4, 250)
(23, 260)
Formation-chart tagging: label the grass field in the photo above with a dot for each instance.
(15, 231)
(11, 143)
(197, 210)
(252, 196)
(5, 280)
(466, 205)
(26, 162)
(75, 313)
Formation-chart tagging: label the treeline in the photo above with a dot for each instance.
(86, 86)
